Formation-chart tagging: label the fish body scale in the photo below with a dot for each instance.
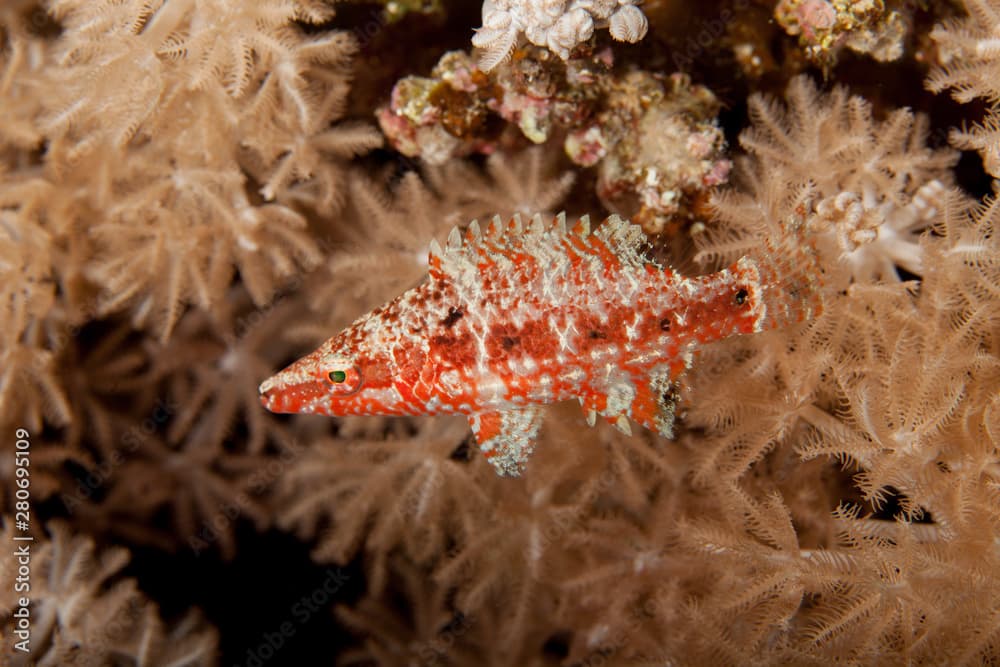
(517, 316)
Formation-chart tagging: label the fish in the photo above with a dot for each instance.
(526, 313)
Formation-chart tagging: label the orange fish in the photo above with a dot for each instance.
(518, 316)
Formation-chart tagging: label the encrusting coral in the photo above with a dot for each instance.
(825, 27)
(191, 197)
(654, 140)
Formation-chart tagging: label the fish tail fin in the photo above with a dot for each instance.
(791, 280)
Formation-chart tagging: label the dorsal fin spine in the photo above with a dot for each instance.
(515, 240)
(560, 223)
(454, 239)
(434, 258)
(515, 226)
(474, 233)
(537, 226)
(495, 229)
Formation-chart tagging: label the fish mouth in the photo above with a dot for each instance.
(284, 398)
(268, 398)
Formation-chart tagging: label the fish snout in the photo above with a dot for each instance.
(267, 393)
(292, 391)
(274, 395)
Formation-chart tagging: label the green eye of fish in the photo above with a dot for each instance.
(337, 377)
(741, 297)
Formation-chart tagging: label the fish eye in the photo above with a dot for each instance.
(741, 297)
(343, 380)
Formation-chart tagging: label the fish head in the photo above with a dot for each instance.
(331, 381)
(726, 303)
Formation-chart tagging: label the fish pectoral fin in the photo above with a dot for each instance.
(655, 403)
(507, 438)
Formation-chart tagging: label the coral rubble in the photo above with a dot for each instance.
(824, 27)
(654, 139)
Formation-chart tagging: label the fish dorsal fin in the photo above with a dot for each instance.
(434, 255)
(627, 241)
(462, 251)
(502, 241)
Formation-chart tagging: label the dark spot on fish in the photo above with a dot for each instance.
(509, 341)
(665, 324)
(597, 334)
(454, 315)
(670, 396)
(459, 351)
